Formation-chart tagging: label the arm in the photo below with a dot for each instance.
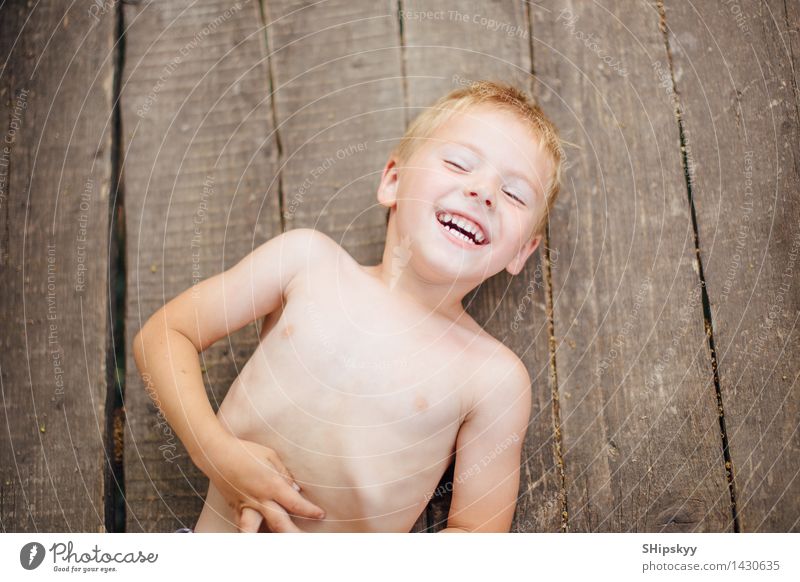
(488, 449)
(166, 351)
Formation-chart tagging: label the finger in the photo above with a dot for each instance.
(282, 469)
(278, 520)
(296, 504)
(249, 520)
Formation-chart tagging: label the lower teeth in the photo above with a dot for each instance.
(460, 235)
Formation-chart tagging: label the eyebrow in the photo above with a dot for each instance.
(512, 173)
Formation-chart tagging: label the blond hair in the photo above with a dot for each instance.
(500, 95)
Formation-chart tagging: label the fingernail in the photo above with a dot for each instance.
(295, 486)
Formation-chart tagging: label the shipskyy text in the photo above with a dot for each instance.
(664, 550)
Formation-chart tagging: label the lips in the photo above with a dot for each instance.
(463, 228)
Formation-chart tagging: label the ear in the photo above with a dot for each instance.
(518, 262)
(387, 189)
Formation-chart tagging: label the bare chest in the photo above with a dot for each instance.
(357, 373)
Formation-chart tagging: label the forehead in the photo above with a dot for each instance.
(501, 135)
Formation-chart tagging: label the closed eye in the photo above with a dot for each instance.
(456, 165)
(515, 197)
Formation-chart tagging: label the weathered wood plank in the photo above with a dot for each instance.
(200, 193)
(736, 77)
(55, 178)
(638, 407)
(453, 43)
(339, 108)
(450, 46)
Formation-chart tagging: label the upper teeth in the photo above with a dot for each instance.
(464, 224)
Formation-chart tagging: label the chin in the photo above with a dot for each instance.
(442, 268)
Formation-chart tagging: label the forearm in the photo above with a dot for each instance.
(170, 367)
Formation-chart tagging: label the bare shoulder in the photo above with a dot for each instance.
(309, 242)
(319, 261)
(500, 357)
(510, 371)
(307, 247)
(501, 378)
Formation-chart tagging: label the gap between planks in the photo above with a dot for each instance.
(558, 450)
(114, 478)
(707, 317)
(263, 12)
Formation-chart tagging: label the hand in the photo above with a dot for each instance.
(255, 483)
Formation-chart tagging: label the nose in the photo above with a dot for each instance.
(482, 195)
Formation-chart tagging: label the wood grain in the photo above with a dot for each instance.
(339, 111)
(642, 445)
(736, 77)
(55, 178)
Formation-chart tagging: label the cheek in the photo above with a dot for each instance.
(425, 185)
(517, 224)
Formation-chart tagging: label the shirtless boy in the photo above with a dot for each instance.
(368, 380)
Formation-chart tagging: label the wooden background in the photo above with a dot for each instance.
(146, 145)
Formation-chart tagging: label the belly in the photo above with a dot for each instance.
(367, 439)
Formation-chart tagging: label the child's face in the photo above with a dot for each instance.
(484, 164)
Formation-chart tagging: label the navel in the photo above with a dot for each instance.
(288, 330)
(420, 403)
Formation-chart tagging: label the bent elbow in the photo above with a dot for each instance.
(143, 337)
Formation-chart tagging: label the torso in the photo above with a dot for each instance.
(361, 394)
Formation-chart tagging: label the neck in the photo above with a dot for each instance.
(396, 274)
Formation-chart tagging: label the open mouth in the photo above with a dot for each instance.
(462, 228)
